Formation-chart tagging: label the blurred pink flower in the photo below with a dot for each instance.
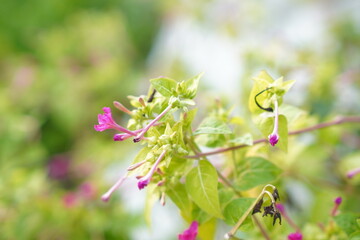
(69, 199)
(337, 202)
(190, 233)
(58, 167)
(353, 172)
(87, 190)
(295, 236)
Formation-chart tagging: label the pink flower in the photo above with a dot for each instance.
(295, 236)
(273, 139)
(143, 183)
(145, 180)
(190, 233)
(107, 122)
(274, 136)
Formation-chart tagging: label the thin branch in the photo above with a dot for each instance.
(261, 227)
(227, 183)
(337, 121)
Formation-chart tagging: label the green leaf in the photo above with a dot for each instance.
(191, 86)
(165, 86)
(201, 185)
(266, 124)
(355, 236)
(207, 230)
(200, 215)
(245, 139)
(236, 208)
(225, 196)
(211, 140)
(262, 81)
(347, 222)
(179, 196)
(212, 125)
(255, 171)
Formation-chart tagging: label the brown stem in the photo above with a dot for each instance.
(337, 121)
(227, 183)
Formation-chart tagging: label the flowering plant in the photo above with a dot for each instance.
(172, 162)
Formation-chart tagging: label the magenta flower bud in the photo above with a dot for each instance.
(274, 136)
(273, 139)
(121, 137)
(190, 233)
(337, 202)
(145, 180)
(143, 183)
(295, 236)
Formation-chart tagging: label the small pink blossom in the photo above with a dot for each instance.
(295, 236)
(190, 233)
(145, 180)
(106, 121)
(274, 136)
(143, 183)
(69, 200)
(273, 139)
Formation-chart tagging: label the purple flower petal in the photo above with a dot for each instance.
(273, 139)
(190, 233)
(143, 183)
(295, 236)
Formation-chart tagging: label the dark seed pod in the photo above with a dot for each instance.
(276, 195)
(277, 215)
(258, 206)
(269, 210)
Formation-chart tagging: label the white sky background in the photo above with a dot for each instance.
(276, 27)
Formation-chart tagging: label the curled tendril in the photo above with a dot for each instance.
(269, 109)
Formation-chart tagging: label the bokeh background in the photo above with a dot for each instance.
(61, 61)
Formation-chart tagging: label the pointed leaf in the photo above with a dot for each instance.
(255, 171)
(191, 86)
(212, 125)
(236, 208)
(245, 139)
(201, 184)
(178, 195)
(165, 86)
